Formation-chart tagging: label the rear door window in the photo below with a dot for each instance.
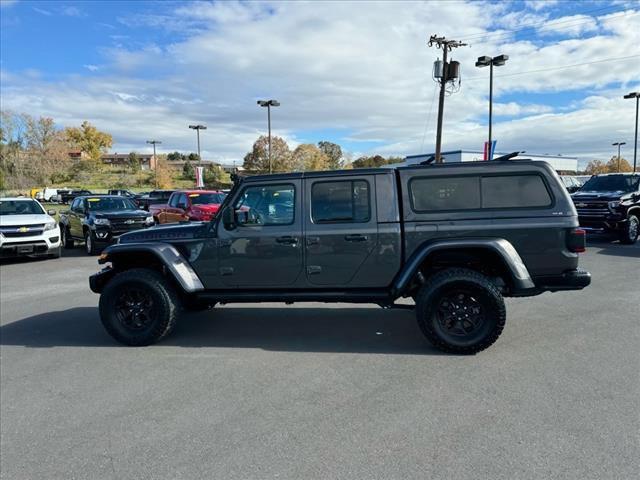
(341, 201)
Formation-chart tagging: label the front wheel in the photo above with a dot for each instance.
(90, 243)
(629, 234)
(460, 311)
(65, 237)
(138, 307)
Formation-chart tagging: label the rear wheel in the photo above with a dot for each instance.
(629, 234)
(460, 311)
(138, 307)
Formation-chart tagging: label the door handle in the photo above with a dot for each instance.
(313, 240)
(356, 238)
(287, 240)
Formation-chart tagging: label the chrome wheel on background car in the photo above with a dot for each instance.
(630, 234)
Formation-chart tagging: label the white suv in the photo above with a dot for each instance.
(26, 229)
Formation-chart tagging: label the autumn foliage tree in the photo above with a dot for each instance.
(89, 140)
(257, 160)
(616, 165)
(308, 157)
(333, 151)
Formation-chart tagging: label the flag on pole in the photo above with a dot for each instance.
(489, 150)
(199, 177)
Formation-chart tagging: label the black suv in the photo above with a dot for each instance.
(99, 220)
(153, 197)
(611, 203)
(457, 238)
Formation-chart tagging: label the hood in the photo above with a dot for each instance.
(116, 214)
(593, 195)
(167, 233)
(20, 220)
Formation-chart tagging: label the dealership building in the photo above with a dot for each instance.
(560, 163)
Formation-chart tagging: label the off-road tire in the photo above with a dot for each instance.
(90, 243)
(163, 313)
(67, 241)
(627, 235)
(480, 289)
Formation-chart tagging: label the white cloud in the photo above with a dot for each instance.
(7, 3)
(364, 69)
(70, 11)
(42, 11)
(92, 68)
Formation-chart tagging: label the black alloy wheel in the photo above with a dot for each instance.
(134, 309)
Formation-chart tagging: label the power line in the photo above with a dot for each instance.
(557, 68)
(537, 24)
(427, 121)
(498, 36)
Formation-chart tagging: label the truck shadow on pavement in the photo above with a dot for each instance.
(615, 249)
(337, 330)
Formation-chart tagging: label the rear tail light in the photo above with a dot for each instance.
(577, 240)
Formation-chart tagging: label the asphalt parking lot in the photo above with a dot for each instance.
(312, 391)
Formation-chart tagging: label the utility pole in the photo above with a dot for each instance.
(155, 159)
(269, 104)
(446, 46)
(635, 95)
(619, 144)
(197, 128)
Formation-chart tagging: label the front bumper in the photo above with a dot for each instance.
(97, 281)
(569, 280)
(45, 243)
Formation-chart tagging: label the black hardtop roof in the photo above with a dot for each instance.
(489, 165)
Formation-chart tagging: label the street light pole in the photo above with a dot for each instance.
(155, 159)
(619, 144)
(635, 95)
(490, 62)
(269, 104)
(197, 128)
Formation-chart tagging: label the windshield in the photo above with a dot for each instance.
(206, 198)
(20, 207)
(110, 203)
(612, 183)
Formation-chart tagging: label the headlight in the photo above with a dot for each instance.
(102, 221)
(149, 220)
(50, 226)
(613, 205)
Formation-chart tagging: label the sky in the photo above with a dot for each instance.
(355, 73)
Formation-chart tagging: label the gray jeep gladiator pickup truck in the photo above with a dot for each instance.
(456, 238)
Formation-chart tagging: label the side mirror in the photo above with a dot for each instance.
(227, 218)
(51, 212)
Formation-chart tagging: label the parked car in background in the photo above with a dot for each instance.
(571, 183)
(27, 229)
(583, 178)
(48, 194)
(99, 220)
(154, 196)
(611, 203)
(122, 192)
(67, 196)
(188, 205)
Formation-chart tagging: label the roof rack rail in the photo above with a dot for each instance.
(508, 156)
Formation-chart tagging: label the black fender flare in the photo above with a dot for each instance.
(519, 274)
(166, 254)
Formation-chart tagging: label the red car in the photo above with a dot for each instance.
(191, 205)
